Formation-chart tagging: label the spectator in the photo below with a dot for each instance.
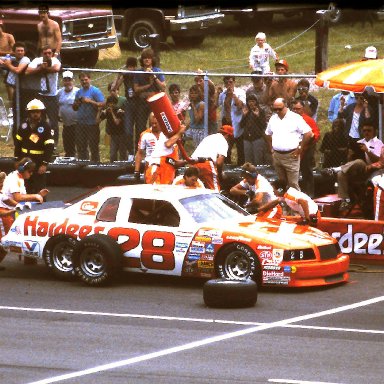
(145, 147)
(14, 192)
(259, 88)
(253, 124)
(189, 179)
(146, 85)
(130, 108)
(196, 115)
(49, 32)
(307, 161)
(335, 145)
(88, 100)
(287, 136)
(298, 202)
(310, 102)
(358, 170)
(283, 87)
(212, 101)
(66, 98)
(48, 67)
(34, 138)
(212, 152)
(344, 96)
(121, 100)
(255, 187)
(370, 54)
(179, 106)
(163, 159)
(355, 115)
(260, 53)
(15, 69)
(232, 100)
(7, 42)
(115, 128)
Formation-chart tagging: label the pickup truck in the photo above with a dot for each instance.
(187, 25)
(84, 31)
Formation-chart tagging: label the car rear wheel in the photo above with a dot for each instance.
(58, 256)
(238, 262)
(224, 293)
(97, 260)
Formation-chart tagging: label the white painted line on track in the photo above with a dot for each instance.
(285, 381)
(207, 341)
(187, 319)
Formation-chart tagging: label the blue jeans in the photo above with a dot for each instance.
(130, 121)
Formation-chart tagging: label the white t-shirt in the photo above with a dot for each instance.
(11, 77)
(53, 78)
(286, 132)
(160, 150)
(374, 145)
(262, 185)
(12, 183)
(211, 146)
(293, 195)
(66, 111)
(148, 142)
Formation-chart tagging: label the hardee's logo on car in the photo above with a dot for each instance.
(88, 208)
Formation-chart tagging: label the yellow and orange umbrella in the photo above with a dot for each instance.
(354, 77)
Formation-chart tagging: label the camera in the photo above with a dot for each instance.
(49, 62)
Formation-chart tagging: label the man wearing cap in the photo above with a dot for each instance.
(210, 155)
(283, 86)
(260, 53)
(254, 186)
(49, 32)
(287, 135)
(370, 54)
(66, 98)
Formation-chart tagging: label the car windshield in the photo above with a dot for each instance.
(212, 207)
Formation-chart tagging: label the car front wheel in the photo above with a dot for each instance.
(238, 262)
(97, 260)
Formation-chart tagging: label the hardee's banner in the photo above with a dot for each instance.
(360, 239)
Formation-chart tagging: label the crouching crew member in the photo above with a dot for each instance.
(35, 139)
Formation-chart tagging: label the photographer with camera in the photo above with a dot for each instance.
(255, 188)
(115, 128)
(47, 68)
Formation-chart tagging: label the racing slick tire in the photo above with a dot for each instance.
(237, 261)
(57, 256)
(97, 260)
(225, 293)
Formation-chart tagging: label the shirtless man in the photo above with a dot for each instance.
(49, 31)
(6, 41)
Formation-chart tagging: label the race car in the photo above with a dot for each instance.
(173, 230)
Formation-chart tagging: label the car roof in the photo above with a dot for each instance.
(158, 192)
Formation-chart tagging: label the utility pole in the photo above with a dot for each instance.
(321, 55)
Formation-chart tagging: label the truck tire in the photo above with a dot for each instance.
(188, 42)
(138, 32)
(225, 293)
(97, 260)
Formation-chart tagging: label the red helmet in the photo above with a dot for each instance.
(283, 63)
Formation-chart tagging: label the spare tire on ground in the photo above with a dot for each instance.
(226, 293)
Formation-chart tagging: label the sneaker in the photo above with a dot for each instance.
(345, 205)
(330, 172)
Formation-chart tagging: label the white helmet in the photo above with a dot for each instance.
(35, 105)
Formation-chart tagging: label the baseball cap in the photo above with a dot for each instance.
(370, 53)
(226, 129)
(283, 63)
(67, 74)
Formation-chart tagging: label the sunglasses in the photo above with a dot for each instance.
(302, 89)
(278, 109)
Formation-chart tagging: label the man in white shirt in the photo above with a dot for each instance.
(213, 148)
(287, 135)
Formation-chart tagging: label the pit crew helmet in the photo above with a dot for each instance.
(35, 105)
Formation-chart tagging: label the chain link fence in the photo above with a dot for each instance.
(97, 136)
